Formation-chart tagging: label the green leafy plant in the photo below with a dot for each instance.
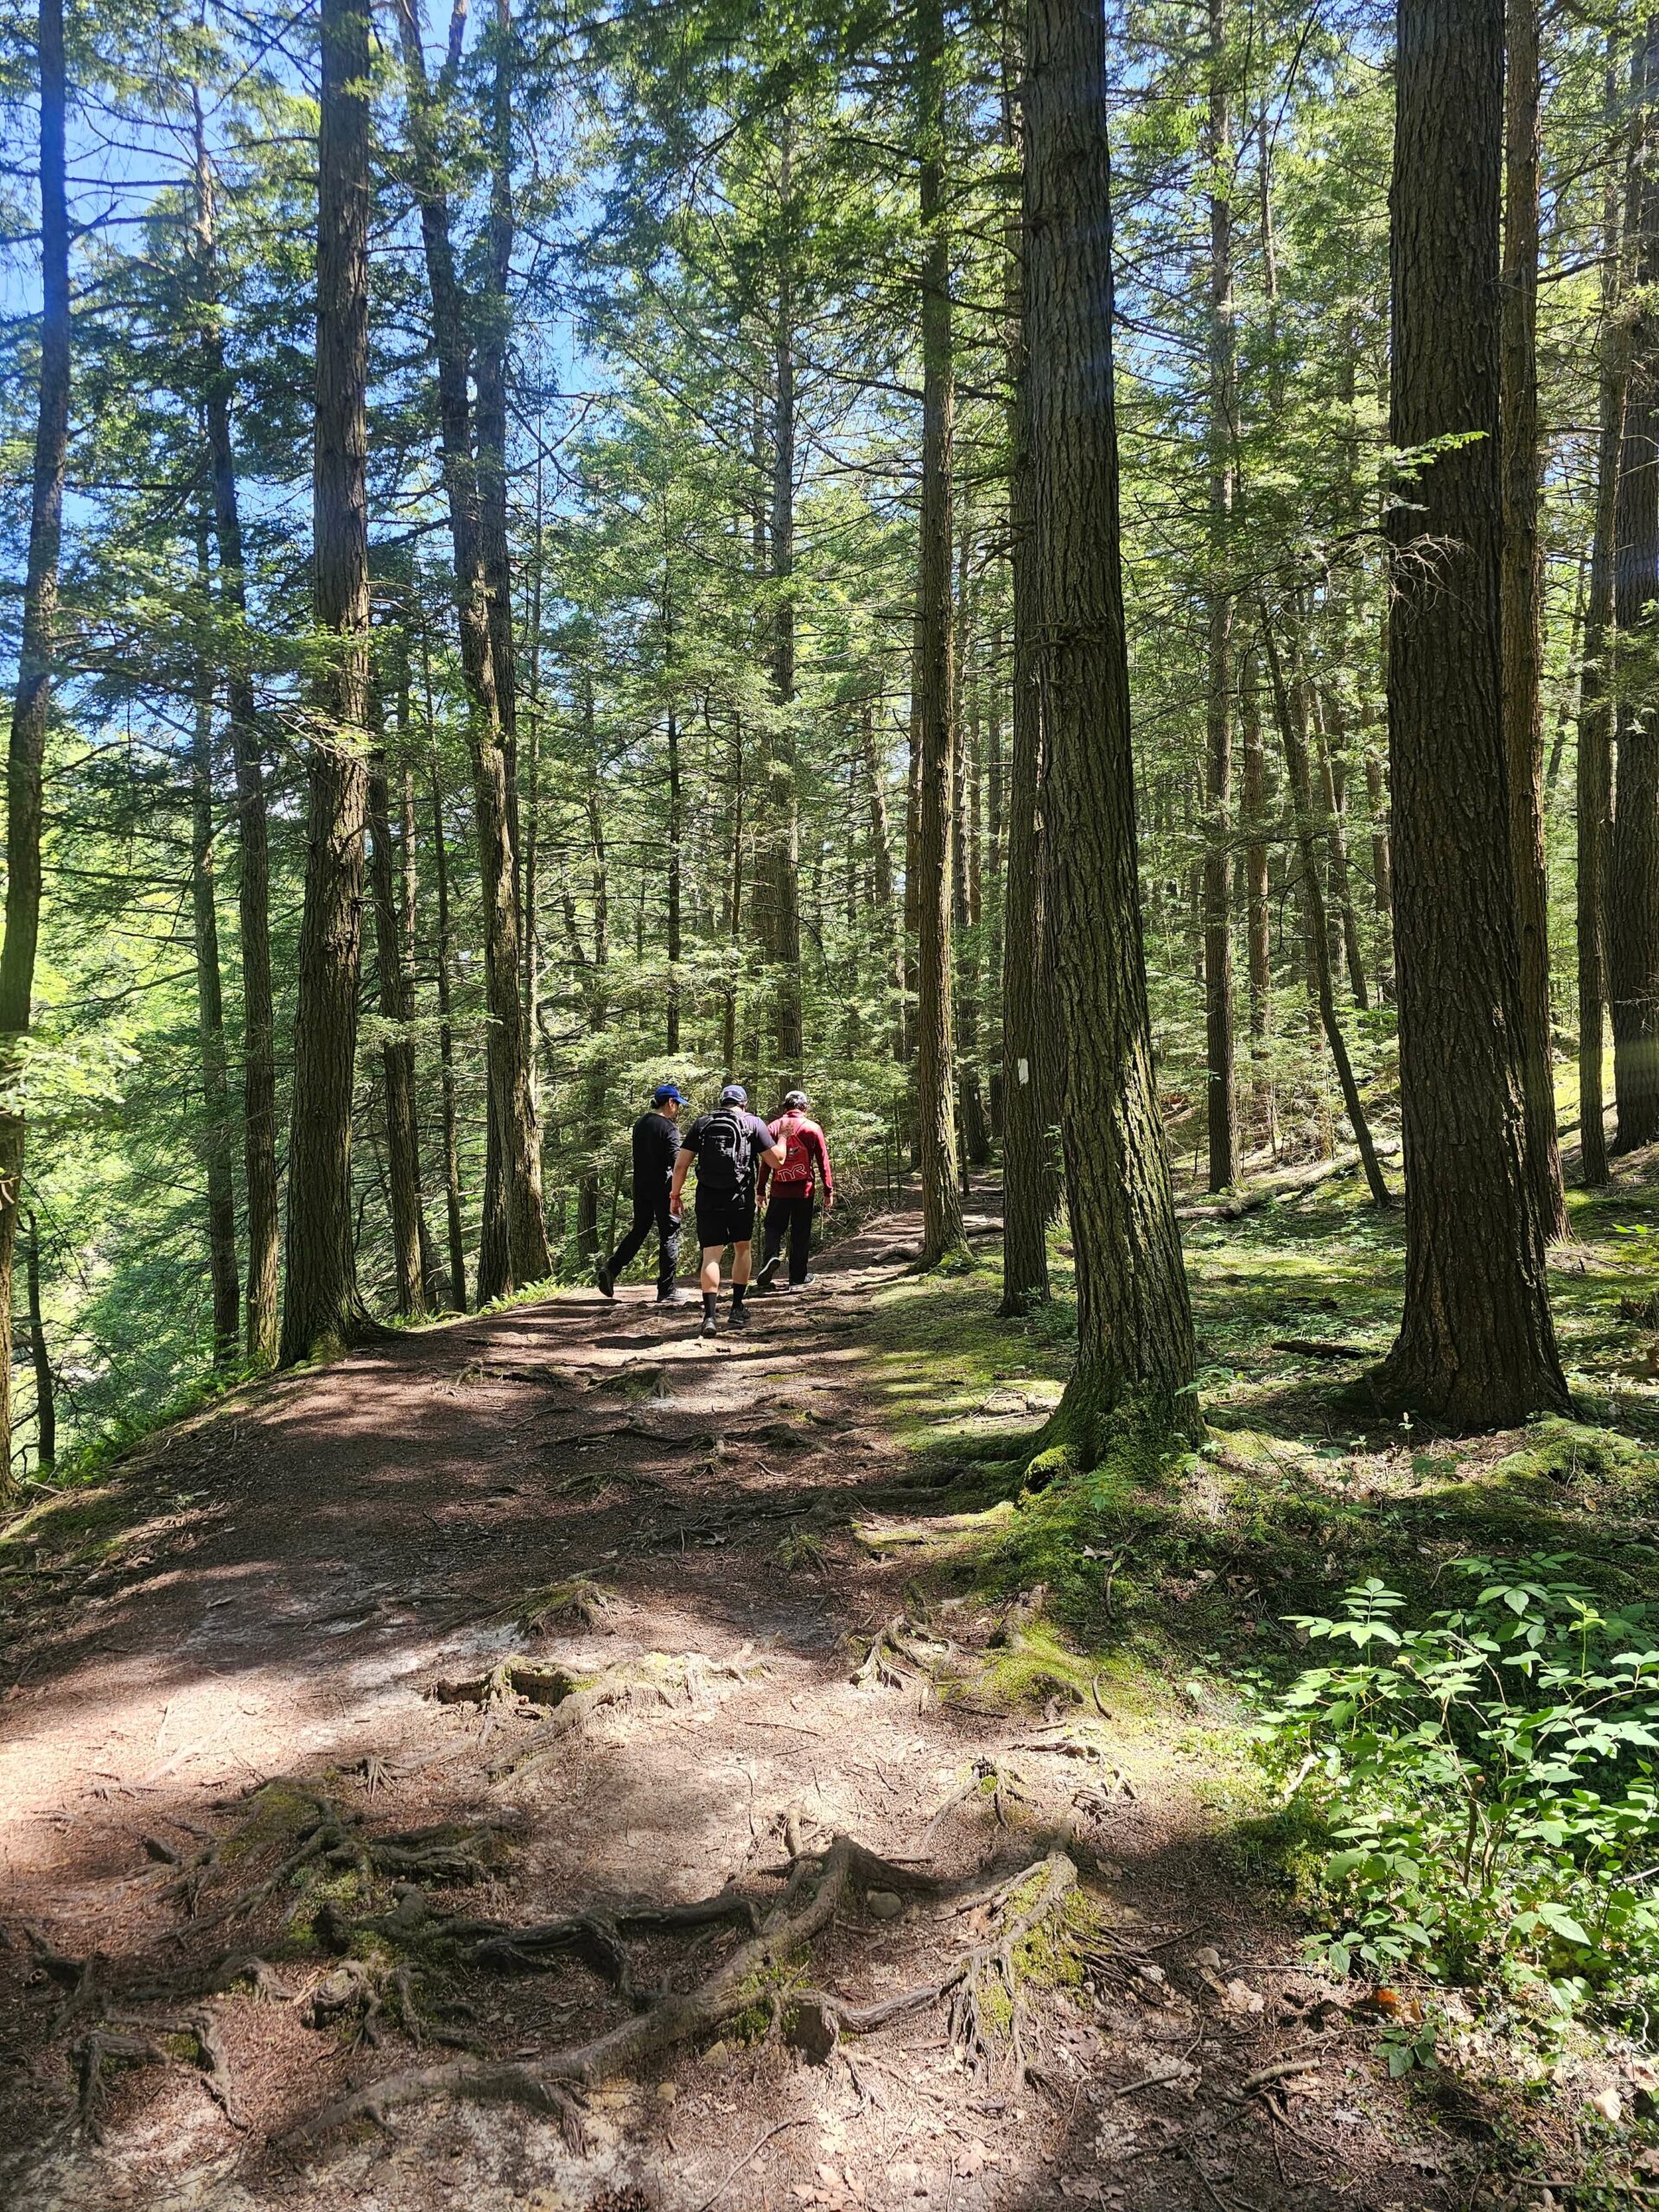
(1487, 1783)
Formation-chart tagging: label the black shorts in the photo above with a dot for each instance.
(725, 1220)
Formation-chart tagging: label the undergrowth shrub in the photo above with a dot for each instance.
(1485, 1784)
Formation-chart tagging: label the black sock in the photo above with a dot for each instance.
(738, 1289)
(710, 1303)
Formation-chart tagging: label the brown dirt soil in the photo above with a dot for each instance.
(237, 1676)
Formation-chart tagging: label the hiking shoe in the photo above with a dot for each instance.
(768, 1269)
(710, 1326)
(805, 1283)
(606, 1282)
(740, 1317)
(673, 1298)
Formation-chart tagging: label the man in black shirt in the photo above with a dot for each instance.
(656, 1148)
(727, 1146)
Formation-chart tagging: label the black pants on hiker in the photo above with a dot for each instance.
(792, 1217)
(651, 1212)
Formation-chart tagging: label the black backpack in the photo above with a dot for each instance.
(724, 1158)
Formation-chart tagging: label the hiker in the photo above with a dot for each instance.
(726, 1145)
(788, 1210)
(656, 1148)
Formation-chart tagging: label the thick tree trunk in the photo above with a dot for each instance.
(941, 1230)
(1134, 1327)
(1221, 1107)
(1477, 1345)
(1594, 773)
(397, 1055)
(1523, 724)
(513, 1246)
(447, 1065)
(784, 853)
(26, 751)
(210, 1017)
(321, 1310)
(1633, 872)
(46, 1403)
(1030, 1183)
(253, 873)
(1290, 709)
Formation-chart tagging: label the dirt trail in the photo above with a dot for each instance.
(295, 1580)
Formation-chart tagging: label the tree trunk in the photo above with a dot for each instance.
(942, 1230)
(1633, 873)
(1258, 918)
(513, 1247)
(1030, 1184)
(26, 751)
(1221, 1109)
(1337, 846)
(783, 855)
(676, 833)
(1476, 1344)
(210, 1014)
(1134, 1327)
(253, 873)
(1594, 776)
(46, 1404)
(397, 1054)
(1523, 724)
(1290, 709)
(887, 906)
(321, 1310)
(447, 1067)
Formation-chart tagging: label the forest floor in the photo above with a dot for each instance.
(350, 1728)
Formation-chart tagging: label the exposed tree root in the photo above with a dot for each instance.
(895, 1661)
(115, 2044)
(987, 1972)
(330, 1837)
(817, 1887)
(572, 1700)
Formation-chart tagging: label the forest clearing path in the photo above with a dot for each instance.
(249, 1673)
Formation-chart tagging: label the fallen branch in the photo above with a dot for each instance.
(1313, 1348)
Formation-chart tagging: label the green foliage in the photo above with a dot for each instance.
(1485, 1770)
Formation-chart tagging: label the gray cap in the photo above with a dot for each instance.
(733, 1094)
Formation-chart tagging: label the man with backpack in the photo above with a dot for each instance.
(789, 1211)
(727, 1145)
(656, 1148)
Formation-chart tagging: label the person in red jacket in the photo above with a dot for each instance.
(794, 1187)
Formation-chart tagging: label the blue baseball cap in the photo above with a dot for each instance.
(664, 1092)
(733, 1094)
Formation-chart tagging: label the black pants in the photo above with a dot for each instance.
(650, 1212)
(792, 1217)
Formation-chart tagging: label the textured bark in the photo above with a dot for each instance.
(253, 872)
(887, 906)
(513, 1246)
(779, 915)
(1477, 1345)
(210, 1017)
(31, 704)
(1594, 773)
(445, 1065)
(1030, 1184)
(1524, 723)
(935, 1115)
(321, 1310)
(1220, 1104)
(1290, 707)
(1134, 1328)
(676, 833)
(46, 1403)
(1633, 871)
(1257, 921)
(973, 1127)
(397, 1055)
